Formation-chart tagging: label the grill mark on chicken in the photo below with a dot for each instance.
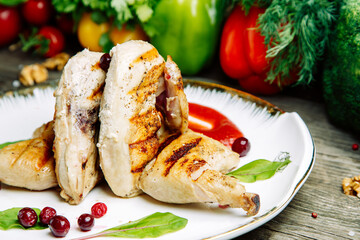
(144, 125)
(35, 145)
(147, 56)
(97, 93)
(168, 140)
(179, 153)
(146, 151)
(22, 152)
(86, 119)
(139, 169)
(48, 154)
(148, 84)
(195, 165)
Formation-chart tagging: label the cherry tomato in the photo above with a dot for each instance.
(56, 44)
(122, 35)
(90, 32)
(87, 27)
(10, 24)
(37, 12)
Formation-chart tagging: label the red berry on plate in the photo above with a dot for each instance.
(46, 215)
(27, 217)
(241, 145)
(98, 210)
(86, 222)
(59, 226)
(355, 146)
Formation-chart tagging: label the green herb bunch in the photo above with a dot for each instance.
(120, 11)
(296, 34)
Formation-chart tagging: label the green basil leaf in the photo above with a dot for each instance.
(9, 220)
(105, 42)
(260, 169)
(152, 226)
(8, 143)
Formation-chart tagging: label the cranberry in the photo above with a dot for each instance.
(314, 215)
(355, 147)
(27, 217)
(105, 61)
(241, 145)
(59, 226)
(86, 222)
(98, 210)
(46, 215)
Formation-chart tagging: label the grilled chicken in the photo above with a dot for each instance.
(133, 113)
(191, 169)
(30, 163)
(76, 116)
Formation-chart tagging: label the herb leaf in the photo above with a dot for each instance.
(7, 144)
(261, 169)
(105, 42)
(9, 220)
(152, 226)
(11, 2)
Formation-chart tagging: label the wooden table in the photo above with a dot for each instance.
(338, 214)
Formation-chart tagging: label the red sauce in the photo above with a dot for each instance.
(212, 124)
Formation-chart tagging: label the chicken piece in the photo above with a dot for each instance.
(174, 105)
(132, 127)
(76, 117)
(191, 169)
(30, 163)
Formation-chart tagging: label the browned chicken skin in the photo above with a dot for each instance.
(30, 163)
(132, 125)
(191, 169)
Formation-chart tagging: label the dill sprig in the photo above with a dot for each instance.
(296, 34)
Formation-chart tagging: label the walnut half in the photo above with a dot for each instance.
(56, 62)
(351, 186)
(34, 73)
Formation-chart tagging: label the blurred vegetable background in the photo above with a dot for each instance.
(264, 45)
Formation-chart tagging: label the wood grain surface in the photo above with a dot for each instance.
(338, 214)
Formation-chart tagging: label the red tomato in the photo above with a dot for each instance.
(243, 53)
(10, 24)
(37, 12)
(57, 41)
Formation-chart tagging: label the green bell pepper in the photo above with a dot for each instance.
(187, 30)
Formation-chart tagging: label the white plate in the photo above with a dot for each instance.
(268, 129)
